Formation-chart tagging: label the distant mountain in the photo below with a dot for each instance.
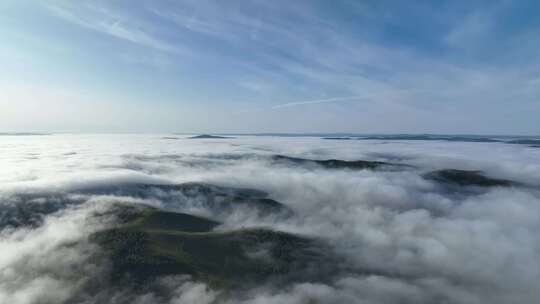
(21, 134)
(337, 138)
(333, 163)
(206, 136)
(467, 178)
(459, 138)
(534, 142)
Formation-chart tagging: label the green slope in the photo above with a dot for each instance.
(153, 243)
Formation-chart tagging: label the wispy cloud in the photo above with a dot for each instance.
(318, 101)
(105, 21)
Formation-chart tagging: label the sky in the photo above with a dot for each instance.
(252, 66)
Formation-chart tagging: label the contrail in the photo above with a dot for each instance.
(299, 103)
(305, 102)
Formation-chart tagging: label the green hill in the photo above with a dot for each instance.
(466, 178)
(333, 163)
(149, 243)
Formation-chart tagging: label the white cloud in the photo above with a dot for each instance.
(432, 244)
(48, 264)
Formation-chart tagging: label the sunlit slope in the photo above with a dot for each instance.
(152, 243)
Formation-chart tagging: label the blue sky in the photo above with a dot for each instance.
(270, 66)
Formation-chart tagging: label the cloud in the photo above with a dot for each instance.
(48, 264)
(106, 21)
(399, 237)
(317, 101)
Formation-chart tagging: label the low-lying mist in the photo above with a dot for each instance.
(417, 222)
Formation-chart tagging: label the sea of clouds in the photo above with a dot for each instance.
(421, 241)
